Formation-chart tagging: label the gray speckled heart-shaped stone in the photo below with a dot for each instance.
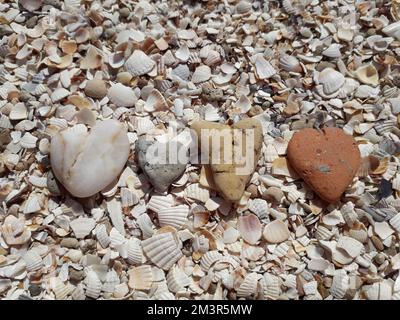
(161, 174)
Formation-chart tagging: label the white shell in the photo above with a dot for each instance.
(201, 74)
(249, 228)
(18, 112)
(144, 125)
(78, 293)
(28, 141)
(259, 207)
(395, 222)
(155, 102)
(290, 63)
(82, 227)
(243, 7)
(174, 216)
(208, 259)
(270, 285)
(331, 80)
(263, 68)
(32, 204)
(248, 287)
(183, 53)
(353, 247)
(213, 57)
(162, 249)
(348, 213)
(139, 63)
(115, 212)
(177, 280)
(116, 238)
(60, 290)
(121, 96)
(33, 260)
(59, 94)
(333, 51)
(158, 203)
(93, 285)
(102, 236)
(140, 278)
(392, 30)
(340, 284)
(135, 253)
(197, 192)
(276, 232)
(112, 280)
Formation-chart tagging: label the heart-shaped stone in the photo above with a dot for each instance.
(242, 141)
(155, 161)
(327, 160)
(87, 162)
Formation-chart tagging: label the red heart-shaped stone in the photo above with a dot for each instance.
(326, 159)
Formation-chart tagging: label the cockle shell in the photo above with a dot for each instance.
(201, 74)
(263, 68)
(331, 80)
(155, 102)
(340, 284)
(122, 96)
(249, 228)
(33, 260)
(134, 248)
(140, 278)
(162, 249)
(290, 63)
(139, 63)
(276, 232)
(248, 287)
(18, 112)
(78, 156)
(177, 280)
(93, 285)
(61, 291)
(208, 259)
(82, 226)
(174, 216)
(102, 235)
(270, 285)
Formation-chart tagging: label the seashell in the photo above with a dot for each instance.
(270, 181)
(345, 33)
(243, 7)
(14, 232)
(259, 207)
(395, 222)
(61, 291)
(31, 5)
(340, 284)
(92, 60)
(139, 63)
(135, 254)
(33, 260)
(32, 204)
(24, 52)
(333, 51)
(213, 57)
(249, 228)
(182, 71)
(383, 127)
(348, 213)
(162, 249)
(243, 104)
(128, 198)
(365, 91)
(174, 216)
(111, 281)
(390, 171)
(252, 253)
(93, 285)
(208, 259)
(201, 74)
(270, 286)
(102, 235)
(144, 125)
(290, 63)
(158, 203)
(115, 212)
(248, 287)
(82, 227)
(276, 232)
(392, 30)
(367, 74)
(350, 245)
(116, 238)
(323, 233)
(155, 102)
(230, 235)
(18, 112)
(36, 181)
(140, 278)
(194, 58)
(121, 96)
(177, 280)
(183, 53)
(59, 94)
(28, 141)
(78, 293)
(331, 80)
(263, 68)
(197, 192)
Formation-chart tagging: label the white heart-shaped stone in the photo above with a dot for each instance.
(86, 162)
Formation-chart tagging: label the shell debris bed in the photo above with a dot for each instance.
(82, 81)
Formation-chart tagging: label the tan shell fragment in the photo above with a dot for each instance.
(276, 232)
(368, 74)
(248, 287)
(140, 278)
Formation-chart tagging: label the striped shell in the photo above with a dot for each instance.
(102, 235)
(177, 280)
(174, 216)
(93, 285)
(139, 63)
(33, 260)
(248, 287)
(208, 259)
(134, 251)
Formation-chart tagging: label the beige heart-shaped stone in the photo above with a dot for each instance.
(242, 138)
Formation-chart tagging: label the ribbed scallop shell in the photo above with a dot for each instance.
(390, 171)
(134, 251)
(93, 285)
(183, 53)
(174, 216)
(18, 112)
(121, 96)
(139, 63)
(395, 222)
(259, 207)
(140, 278)
(201, 74)
(128, 198)
(33, 260)
(177, 279)
(385, 126)
(197, 192)
(182, 71)
(323, 233)
(248, 287)
(36, 181)
(111, 281)
(155, 102)
(270, 285)
(348, 213)
(290, 63)
(340, 284)
(61, 291)
(144, 125)
(59, 94)
(158, 203)
(102, 235)
(116, 238)
(162, 249)
(264, 69)
(213, 57)
(208, 259)
(331, 80)
(78, 293)
(28, 141)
